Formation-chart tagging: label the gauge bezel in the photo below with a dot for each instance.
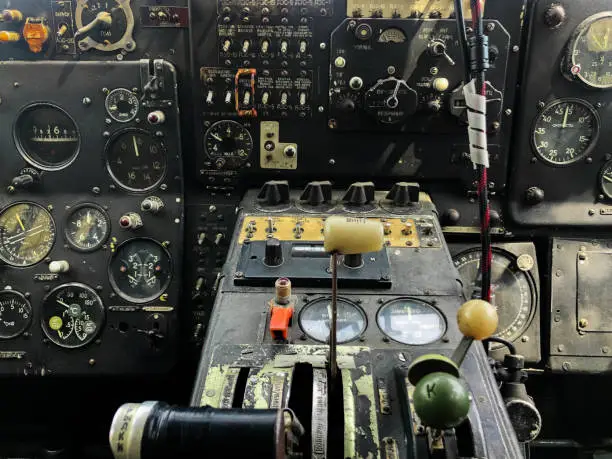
(607, 164)
(113, 139)
(54, 226)
(240, 126)
(124, 295)
(44, 322)
(71, 212)
(581, 29)
(530, 280)
(327, 299)
(29, 320)
(414, 300)
(109, 112)
(125, 42)
(23, 151)
(587, 151)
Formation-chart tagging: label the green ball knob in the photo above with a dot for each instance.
(441, 400)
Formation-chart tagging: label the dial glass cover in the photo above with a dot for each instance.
(15, 314)
(591, 51)
(136, 160)
(315, 318)
(46, 136)
(122, 105)
(27, 234)
(565, 131)
(228, 139)
(72, 315)
(87, 227)
(512, 291)
(104, 22)
(605, 179)
(140, 270)
(412, 322)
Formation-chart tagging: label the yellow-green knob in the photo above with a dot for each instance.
(441, 401)
(477, 319)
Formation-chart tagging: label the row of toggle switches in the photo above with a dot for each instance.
(284, 99)
(265, 46)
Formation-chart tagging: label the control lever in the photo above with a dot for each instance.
(347, 236)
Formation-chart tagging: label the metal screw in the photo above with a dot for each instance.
(390, 70)
(582, 256)
(332, 162)
(541, 104)
(86, 101)
(560, 348)
(605, 349)
(583, 323)
(322, 45)
(239, 274)
(591, 212)
(92, 362)
(508, 112)
(566, 366)
(491, 26)
(525, 339)
(95, 190)
(515, 49)
(558, 273)
(321, 109)
(16, 84)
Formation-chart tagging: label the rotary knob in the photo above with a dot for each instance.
(391, 101)
(317, 193)
(555, 16)
(274, 193)
(360, 194)
(404, 193)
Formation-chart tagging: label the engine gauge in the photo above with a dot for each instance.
(122, 105)
(46, 136)
(140, 270)
(314, 320)
(105, 25)
(87, 227)
(513, 290)
(15, 314)
(590, 51)
(228, 141)
(605, 179)
(136, 159)
(27, 234)
(412, 322)
(72, 315)
(565, 131)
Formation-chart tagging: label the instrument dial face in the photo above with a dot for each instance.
(565, 131)
(15, 314)
(122, 105)
(228, 140)
(136, 160)
(605, 179)
(87, 227)
(412, 322)
(46, 136)
(104, 23)
(27, 234)
(315, 320)
(140, 270)
(72, 315)
(513, 291)
(591, 51)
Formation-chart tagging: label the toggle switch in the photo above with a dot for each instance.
(152, 204)
(274, 252)
(9, 37)
(12, 16)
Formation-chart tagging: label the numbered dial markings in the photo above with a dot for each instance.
(136, 160)
(87, 228)
(72, 315)
(229, 140)
(605, 180)
(122, 105)
(104, 22)
(315, 320)
(15, 314)
(565, 131)
(591, 51)
(411, 322)
(27, 234)
(141, 270)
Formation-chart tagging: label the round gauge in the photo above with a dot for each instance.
(140, 270)
(565, 131)
(136, 159)
(122, 105)
(105, 25)
(15, 314)
(228, 141)
(391, 101)
(72, 315)
(605, 179)
(513, 290)
(27, 234)
(315, 318)
(46, 136)
(87, 227)
(591, 51)
(412, 322)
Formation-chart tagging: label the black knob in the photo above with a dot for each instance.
(555, 16)
(346, 106)
(493, 53)
(22, 181)
(353, 261)
(274, 252)
(360, 193)
(274, 193)
(317, 193)
(534, 195)
(450, 217)
(434, 105)
(404, 193)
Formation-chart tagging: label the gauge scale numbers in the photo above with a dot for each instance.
(228, 141)
(315, 318)
(104, 24)
(565, 132)
(591, 47)
(87, 228)
(15, 314)
(72, 315)
(122, 105)
(412, 322)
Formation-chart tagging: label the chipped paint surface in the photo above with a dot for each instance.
(211, 394)
(365, 397)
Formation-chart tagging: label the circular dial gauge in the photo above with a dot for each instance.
(605, 179)
(87, 227)
(228, 141)
(27, 234)
(565, 131)
(315, 319)
(122, 105)
(136, 160)
(105, 25)
(412, 322)
(513, 291)
(140, 270)
(15, 314)
(391, 101)
(591, 51)
(46, 136)
(72, 315)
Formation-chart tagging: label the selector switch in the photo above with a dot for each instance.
(404, 193)
(274, 193)
(360, 194)
(152, 204)
(274, 252)
(131, 221)
(60, 266)
(317, 193)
